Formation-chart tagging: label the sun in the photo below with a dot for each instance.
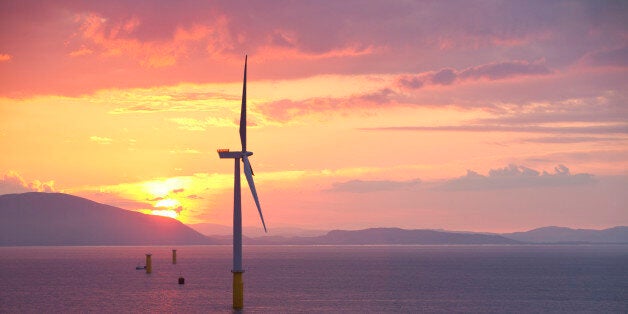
(162, 188)
(168, 203)
(165, 212)
(167, 207)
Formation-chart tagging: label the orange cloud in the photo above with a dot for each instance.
(191, 124)
(112, 39)
(101, 140)
(5, 57)
(275, 52)
(83, 51)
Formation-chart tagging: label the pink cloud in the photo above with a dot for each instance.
(13, 182)
(516, 176)
(620, 129)
(124, 44)
(285, 109)
(502, 70)
(114, 39)
(278, 52)
(215, 37)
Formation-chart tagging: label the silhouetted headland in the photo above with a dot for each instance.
(62, 219)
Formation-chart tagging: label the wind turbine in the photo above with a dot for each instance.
(238, 285)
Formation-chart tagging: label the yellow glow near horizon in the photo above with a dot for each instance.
(168, 203)
(164, 212)
(161, 188)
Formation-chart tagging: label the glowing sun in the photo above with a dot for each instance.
(165, 212)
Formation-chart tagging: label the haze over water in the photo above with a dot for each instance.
(553, 278)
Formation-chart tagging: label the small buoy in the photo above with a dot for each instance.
(181, 280)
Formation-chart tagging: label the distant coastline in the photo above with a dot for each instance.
(46, 219)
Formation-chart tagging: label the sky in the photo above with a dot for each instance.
(491, 116)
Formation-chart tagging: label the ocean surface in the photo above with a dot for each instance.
(315, 279)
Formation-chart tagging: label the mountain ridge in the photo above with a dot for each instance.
(37, 218)
(387, 236)
(555, 234)
(61, 219)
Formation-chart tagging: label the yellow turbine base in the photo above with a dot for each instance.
(149, 264)
(238, 291)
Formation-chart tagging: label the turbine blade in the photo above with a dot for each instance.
(243, 110)
(248, 172)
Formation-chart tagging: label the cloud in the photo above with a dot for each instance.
(515, 176)
(12, 182)
(604, 156)
(111, 37)
(83, 51)
(410, 82)
(285, 109)
(368, 186)
(490, 71)
(617, 57)
(101, 140)
(213, 34)
(175, 191)
(502, 70)
(274, 52)
(596, 129)
(4, 57)
(609, 106)
(179, 98)
(444, 77)
(135, 109)
(185, 151)
(191, 124)
(570, 139)
(195, 41)
(194, 197)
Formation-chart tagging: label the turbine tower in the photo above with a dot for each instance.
(238, 285)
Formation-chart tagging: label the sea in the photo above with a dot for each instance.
(318, 279)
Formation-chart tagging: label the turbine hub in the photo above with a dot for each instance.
(225, 153)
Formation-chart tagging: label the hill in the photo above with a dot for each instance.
(384, 236)
(216, 230)
(567, 235)
(61, 219)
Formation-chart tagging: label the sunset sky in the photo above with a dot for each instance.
(462, 115)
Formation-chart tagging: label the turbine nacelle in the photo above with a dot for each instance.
(225, 153)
